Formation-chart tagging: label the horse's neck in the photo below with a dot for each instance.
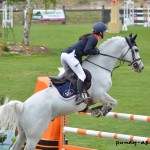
(111, 48)
(105, 62)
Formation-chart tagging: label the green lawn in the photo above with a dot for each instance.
(18, 75)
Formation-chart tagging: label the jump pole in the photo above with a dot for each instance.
(148, 13)
(107, 134)
(132, 138)
(130, 117)
(7, 15)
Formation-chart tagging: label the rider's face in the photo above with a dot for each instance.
(104, 33)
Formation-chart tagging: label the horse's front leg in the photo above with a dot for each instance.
(108, 104)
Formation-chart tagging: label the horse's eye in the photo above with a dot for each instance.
(136, 50)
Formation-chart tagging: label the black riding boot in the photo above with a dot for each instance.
(79, 98)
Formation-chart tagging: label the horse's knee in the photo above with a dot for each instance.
(113, 104)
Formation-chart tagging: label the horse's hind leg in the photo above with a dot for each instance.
(31, 144)
(33, 139)
(20, 139)
(19, 142)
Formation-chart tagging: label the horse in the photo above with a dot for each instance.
(33, 116)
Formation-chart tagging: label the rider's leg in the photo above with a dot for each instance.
(79, 98)
(68, 60)
(81, 77)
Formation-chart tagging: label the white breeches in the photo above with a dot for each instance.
(69, 61)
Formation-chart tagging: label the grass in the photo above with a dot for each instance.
(18, 75)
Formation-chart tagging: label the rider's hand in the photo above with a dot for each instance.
(97, 51)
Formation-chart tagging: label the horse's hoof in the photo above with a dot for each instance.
(96, 113)
(106, 110)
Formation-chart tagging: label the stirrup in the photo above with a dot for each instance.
(81, 100)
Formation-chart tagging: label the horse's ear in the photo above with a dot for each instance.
(130, 35)
(134, 38)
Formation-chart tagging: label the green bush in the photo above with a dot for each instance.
(5, 48)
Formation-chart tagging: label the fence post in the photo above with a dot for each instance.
(64, 9)
(103, 13)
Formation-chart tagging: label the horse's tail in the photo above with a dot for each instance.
(9, 114)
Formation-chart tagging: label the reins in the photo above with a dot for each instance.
(99, 66)
(121, 64)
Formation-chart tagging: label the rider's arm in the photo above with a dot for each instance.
(90, 48)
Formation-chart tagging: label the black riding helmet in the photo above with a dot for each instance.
(99, 28)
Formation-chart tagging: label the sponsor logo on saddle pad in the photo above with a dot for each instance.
(66, 90)
(68, 93)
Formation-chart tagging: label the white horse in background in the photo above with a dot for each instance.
(33, 116)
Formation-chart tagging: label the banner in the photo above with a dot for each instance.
(48, 15)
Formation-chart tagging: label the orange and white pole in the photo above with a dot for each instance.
(125, 116)
(146, 140)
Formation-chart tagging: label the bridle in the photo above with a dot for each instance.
(122, 60)
(133, 54)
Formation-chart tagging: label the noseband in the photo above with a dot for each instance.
(134, 62)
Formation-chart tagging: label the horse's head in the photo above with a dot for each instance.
(131, 55)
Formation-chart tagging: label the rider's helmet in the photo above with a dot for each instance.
(99, 27)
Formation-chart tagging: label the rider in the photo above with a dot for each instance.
(72, 56)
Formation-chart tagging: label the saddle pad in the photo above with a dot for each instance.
(66, 90)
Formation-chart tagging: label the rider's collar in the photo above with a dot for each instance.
(97, 37)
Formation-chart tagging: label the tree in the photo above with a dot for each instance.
(27, 22)
(28, 16)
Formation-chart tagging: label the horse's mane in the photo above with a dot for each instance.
(109, 41)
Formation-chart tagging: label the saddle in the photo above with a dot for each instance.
(70, 76)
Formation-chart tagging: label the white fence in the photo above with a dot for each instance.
(141, 16)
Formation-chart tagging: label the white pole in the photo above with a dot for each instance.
(7, 15)
(148, 13)
(133, 13)
(11, 15)
(124, 27)
(118, 136)
(4, 11)
(127, 10)
(124, 12)
(3, 14)
(125, 116)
